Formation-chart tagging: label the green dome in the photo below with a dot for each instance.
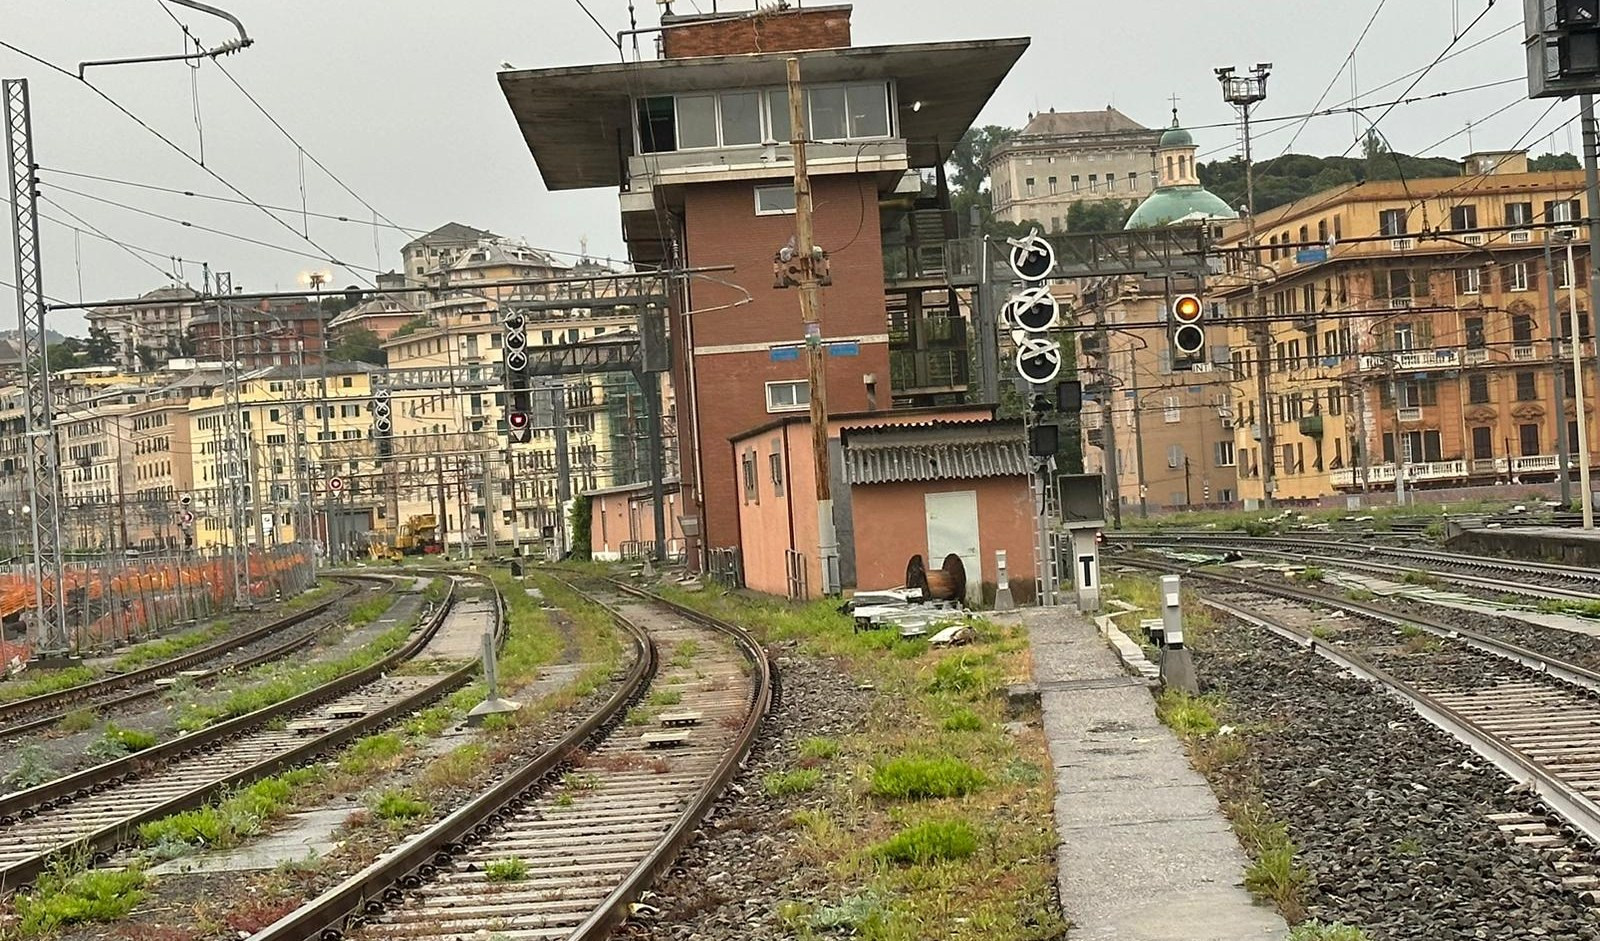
(1176, 137)
(1173, 203)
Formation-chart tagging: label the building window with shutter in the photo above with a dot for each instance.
(1173, 412)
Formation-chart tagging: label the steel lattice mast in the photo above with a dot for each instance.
(44, 477)
(235, 460)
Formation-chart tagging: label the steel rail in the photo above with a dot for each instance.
(25, 804)
(371, 891)
(1573, 573)
(1569, 673)
(106, 705)
(1383, 568)
(1577, 809)
(155, 671)
(614, 910)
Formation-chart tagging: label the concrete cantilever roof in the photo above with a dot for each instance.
(577, 120)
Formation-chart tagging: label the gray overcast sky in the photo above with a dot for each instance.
(399, 99)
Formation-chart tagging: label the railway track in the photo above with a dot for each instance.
(1532, 716)
(1537, 579)
(537, 856)
(94, 811)
(235, 652)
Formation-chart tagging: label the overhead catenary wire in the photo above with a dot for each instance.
(173, 145)
(1348, 60)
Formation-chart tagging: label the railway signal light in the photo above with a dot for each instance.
(382, 420)
(517, 427)
(516, 343)
(1562, 39)
(1186, 333)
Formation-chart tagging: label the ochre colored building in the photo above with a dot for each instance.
(1411, 322)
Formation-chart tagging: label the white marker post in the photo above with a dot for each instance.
(492, 704)
(1177, 666)
(1002, 592)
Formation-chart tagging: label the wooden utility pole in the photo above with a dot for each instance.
(811, 317)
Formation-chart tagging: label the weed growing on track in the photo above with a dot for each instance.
(381, 752)
(397, 807)
(238, 815)
(1273, 872)
(915, 778)
(1311, 575)
(506, 870)
(116, 741)
(1317, 931)
(819, 749)
(1582, 609)
(789, 783)
(1189, 716)
(272, 683)
(929, 841)
(168, 647)
(998, 887)
(32, 770)
(37, 684)
(456, 768)
(963, 720)
(78, 720)
(69, 896)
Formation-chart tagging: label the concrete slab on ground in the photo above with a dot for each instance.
(1145, 852)
(304, 835)
(461, 636)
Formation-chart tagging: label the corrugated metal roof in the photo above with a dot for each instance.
(900, 463)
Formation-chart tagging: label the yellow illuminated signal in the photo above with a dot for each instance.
(1186, 308)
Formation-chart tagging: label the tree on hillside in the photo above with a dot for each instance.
(969, 175)
(1101, 215)
(100, 349)
(359, 345)
(1284, 179)
(1545, 162)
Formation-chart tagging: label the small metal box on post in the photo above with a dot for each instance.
(1083, 515)
(1002, 592)
(1177, 665)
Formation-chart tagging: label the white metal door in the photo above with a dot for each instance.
(953, 528)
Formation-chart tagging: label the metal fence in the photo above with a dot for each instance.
(114, 600)
(726, 567)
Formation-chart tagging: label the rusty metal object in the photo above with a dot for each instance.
(946, 583)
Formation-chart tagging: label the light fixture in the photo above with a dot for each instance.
(916, 105)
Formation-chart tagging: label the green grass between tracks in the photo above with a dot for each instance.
(909, 842)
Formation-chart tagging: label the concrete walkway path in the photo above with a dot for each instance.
(1145, 853)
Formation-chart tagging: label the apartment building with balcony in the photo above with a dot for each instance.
(160, 471)
(1418, 323)
(696, 143)
(1067, 157)
(281, 331)
(459, 439)
(148, 334)
(1172, 429)
(294, 439)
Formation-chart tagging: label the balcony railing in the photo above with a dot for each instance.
(1412, 359)
(1476, 357)
(1409, 413)
(1523, 354)
(1538, 463)
(1385, 473)
(1426, 359)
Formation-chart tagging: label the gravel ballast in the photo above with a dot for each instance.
(1388, 812)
